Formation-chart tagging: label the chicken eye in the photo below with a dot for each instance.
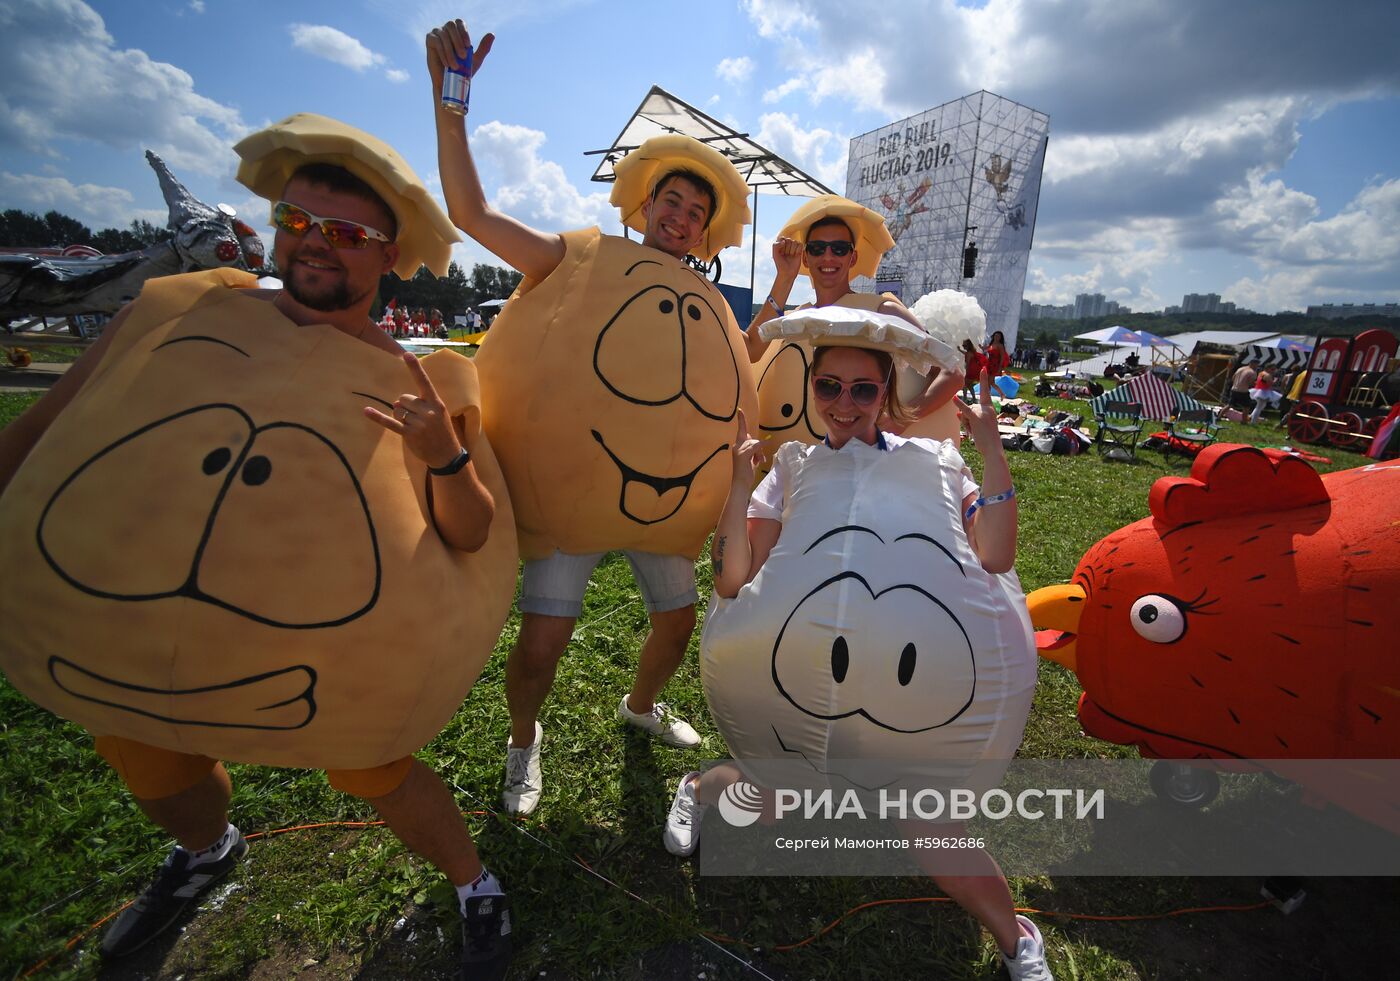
(1159, 619)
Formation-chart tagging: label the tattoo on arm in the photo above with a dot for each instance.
(719, 554)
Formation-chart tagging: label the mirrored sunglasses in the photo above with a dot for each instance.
(816, 247)
(828, 389)
(339, 232)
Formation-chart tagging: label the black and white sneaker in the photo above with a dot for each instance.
(176, 886)
(486, 946)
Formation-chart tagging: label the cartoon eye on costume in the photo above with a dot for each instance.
(909, 667)
(204, 505)
(647, 352)
(1159, 619)
(782, 391)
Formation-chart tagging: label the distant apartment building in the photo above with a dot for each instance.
(1340, 311)
(1205, 303)
(1046, 311)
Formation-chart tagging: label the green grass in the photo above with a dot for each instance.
(74, 848)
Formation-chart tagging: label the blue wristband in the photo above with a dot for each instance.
(983, 502)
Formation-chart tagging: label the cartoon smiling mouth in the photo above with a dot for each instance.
(647, 494)
(281, 699)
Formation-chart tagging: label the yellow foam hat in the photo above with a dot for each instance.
(872, 237)
(638, 172)
(272, 155)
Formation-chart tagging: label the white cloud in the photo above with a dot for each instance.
(532, 189)
(779, 18)
(335, 45)
(735, 71)
(781, 92)
(818, 151)
(197, 6)
(94, 205)
(63, 78)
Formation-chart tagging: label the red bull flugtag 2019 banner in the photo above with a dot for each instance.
(958, 186)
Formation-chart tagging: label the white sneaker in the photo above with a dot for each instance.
(660, 722)
(1029, 962)
(683, 823)
(523, 781)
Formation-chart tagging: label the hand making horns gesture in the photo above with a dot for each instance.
(422, 420)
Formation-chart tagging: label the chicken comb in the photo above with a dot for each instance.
(1230, 479)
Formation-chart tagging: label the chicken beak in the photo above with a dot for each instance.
(1055, 612)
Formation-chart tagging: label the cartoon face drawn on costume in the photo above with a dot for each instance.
(611, 389)
(785, 409)
(229, 557)
(690, 323)
(887, 639)
(900, 658)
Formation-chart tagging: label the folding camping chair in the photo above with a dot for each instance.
(1196, 427)
(1119, 426)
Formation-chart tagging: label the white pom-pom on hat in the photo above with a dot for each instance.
(952, 316)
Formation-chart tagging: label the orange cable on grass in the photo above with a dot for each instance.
(718, 937)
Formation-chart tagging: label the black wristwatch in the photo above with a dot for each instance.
(458, 462)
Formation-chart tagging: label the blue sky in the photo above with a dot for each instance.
(1249, 148)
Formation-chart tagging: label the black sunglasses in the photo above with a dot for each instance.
(816, 247)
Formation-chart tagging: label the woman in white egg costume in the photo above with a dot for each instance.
(866, 613)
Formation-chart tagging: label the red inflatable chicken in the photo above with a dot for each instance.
(1254, 615)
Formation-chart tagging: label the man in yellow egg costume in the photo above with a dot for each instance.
(831, 239)
(611, 386)
(246, 525)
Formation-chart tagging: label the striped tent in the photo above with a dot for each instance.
(1158, 399)
(1283, 359)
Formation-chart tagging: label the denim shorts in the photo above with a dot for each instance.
(554, 586)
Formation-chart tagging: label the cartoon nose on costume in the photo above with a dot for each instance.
(899, 658)
(662, 346)
(267, 522)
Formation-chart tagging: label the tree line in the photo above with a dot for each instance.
(452, 294)
(26, 230)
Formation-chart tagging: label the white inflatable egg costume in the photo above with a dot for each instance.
(872, 632)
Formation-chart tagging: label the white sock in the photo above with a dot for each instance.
(215, 851)
(485, 884)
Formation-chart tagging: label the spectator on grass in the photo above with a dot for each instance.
(996, 356)
(1263, 393)
(1240, 385)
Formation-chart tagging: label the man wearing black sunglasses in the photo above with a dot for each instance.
(832, 239)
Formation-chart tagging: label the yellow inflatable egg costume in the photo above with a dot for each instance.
(872, 633)
(212, 551)
(611, 387)
(784, 397)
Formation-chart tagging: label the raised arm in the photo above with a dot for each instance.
(533, 252)
(992, 528)
(787, 257)
(730, 551)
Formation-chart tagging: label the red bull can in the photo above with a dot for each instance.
(457, 86)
